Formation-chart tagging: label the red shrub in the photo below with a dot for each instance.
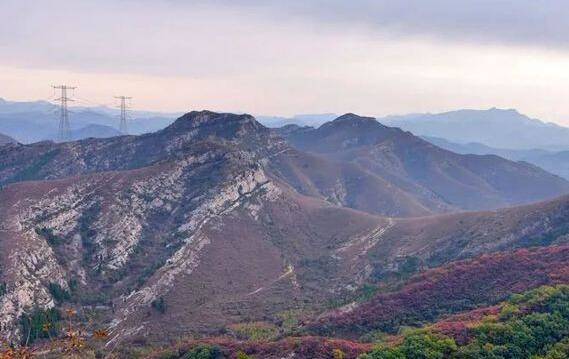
(453, 288)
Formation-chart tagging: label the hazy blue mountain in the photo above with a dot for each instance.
(7, 107)
(551, 161)
(6, 139)
(29, 122)
(436, 178)
(495, 128)
(313, 120)
(477, 148)
(89, 131)
(95, 131)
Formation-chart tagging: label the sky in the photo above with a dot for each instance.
(285, 57)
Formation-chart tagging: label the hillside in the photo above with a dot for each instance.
(6, 139)
(439, 179)
(457, 287)
(551, 161)
(127, 221)
(494, 127)
(530, 325)
(338, 183)
(215, 225)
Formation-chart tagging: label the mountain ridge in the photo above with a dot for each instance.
(222, 222)
(6, 139)
(428, 172)
(494, 127)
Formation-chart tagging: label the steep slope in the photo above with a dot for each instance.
(215, 221)
(494, 127)
(190, 133)
(436, 240)
(529, 325)
(193, 217)
(495, 264)
(457, 287)
(338, 183)
(439, 179)
(347, 185)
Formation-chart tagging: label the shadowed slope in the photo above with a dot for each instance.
(434, 176)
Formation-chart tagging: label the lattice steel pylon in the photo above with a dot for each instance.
(123, 126)
(64, 128)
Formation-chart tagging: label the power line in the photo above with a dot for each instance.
(64, 128)
(92, 103)
(123, 125)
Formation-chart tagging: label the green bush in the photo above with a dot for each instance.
(39, 324)
(256, 331)
(49, 236)
(534, 325)
(159, 305)
(58, 293)
(203, 352)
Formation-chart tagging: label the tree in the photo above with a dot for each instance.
(159, 305)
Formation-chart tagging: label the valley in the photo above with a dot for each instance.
(218, 227)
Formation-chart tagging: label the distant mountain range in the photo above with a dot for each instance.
(495, 128)
(29, 122)
(551, 161)
(6, 139)
(36, 121)
(429, 178)
(313, 120)
(95, 131)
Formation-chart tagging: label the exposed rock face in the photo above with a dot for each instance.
(217, 217)
(170, 215)
(439, 180)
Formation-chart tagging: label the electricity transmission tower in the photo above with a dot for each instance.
(123, 125)
(64, 128)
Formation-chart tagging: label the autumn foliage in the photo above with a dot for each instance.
(457, 287)
(302, 347)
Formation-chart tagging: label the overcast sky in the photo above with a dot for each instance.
(283, 57)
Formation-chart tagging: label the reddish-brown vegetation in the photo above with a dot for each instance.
(459, 326)
(453, 288)
(302, 347)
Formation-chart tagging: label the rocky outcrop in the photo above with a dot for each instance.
(219, 222)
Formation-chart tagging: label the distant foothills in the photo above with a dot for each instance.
(502, 132)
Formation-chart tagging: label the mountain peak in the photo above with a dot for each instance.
(205, 117)
(351, 120)
(223, 125)
(352, 117)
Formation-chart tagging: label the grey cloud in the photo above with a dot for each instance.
(543, 23)
(219, 37)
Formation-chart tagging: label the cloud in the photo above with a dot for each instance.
(156, 38)
(220, 37)
(277, 57)
(543, 23)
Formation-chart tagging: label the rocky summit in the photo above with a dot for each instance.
(216, 223)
